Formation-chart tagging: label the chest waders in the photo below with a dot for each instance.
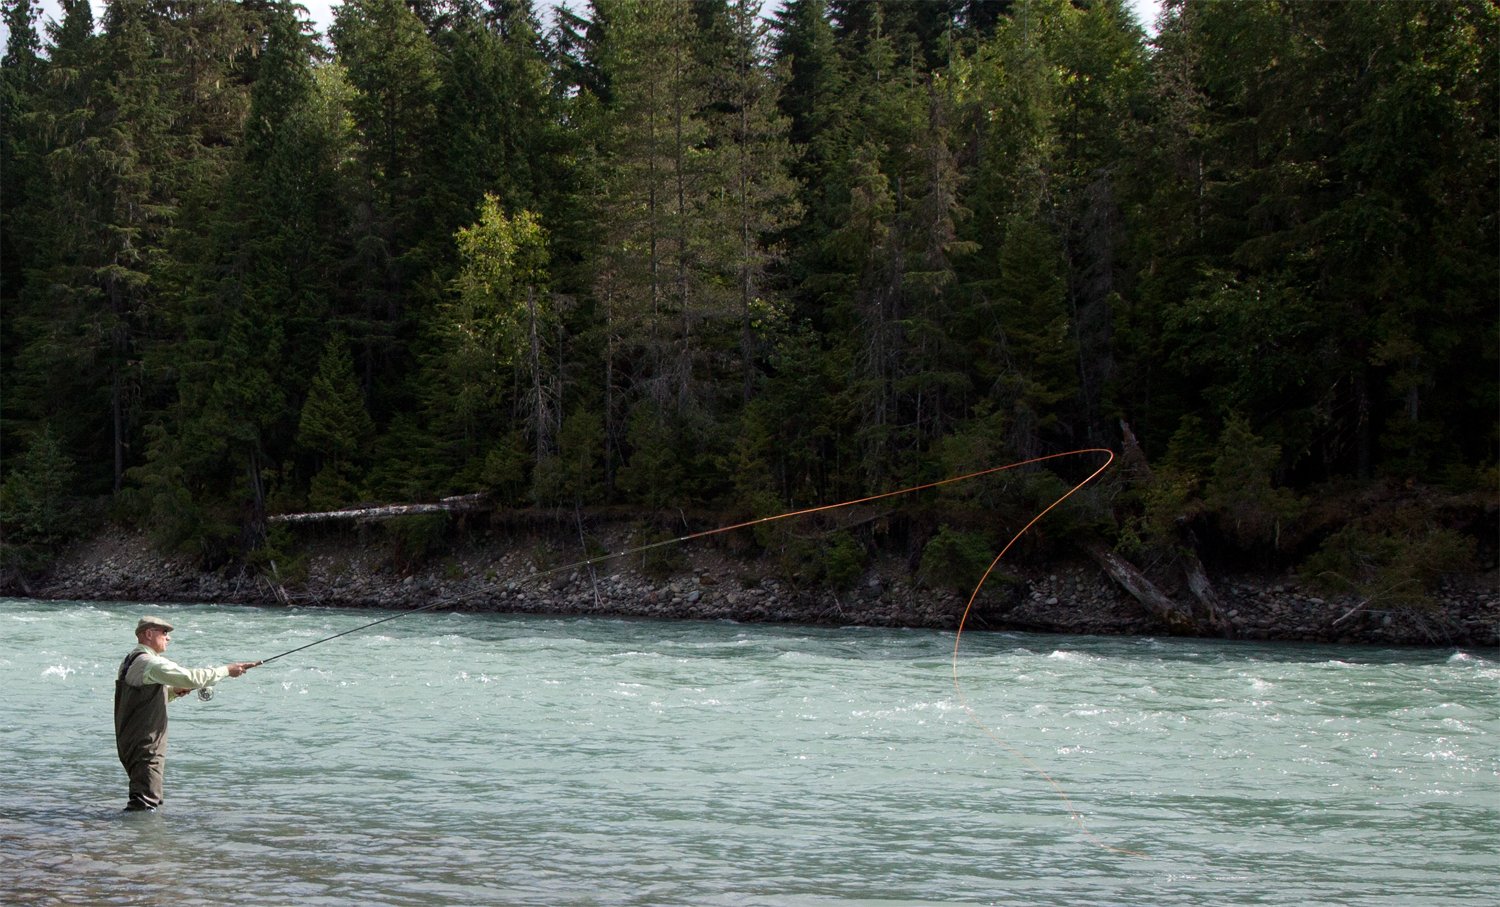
(141, 735)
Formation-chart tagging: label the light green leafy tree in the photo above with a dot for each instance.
(494, 338)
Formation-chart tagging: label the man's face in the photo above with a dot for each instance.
(156, 639)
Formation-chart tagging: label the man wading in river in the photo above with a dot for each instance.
(146, 683)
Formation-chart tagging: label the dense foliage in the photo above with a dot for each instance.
(681, 253)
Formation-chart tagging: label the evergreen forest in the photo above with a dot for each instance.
(713, 260)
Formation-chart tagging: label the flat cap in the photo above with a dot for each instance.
(148, 621)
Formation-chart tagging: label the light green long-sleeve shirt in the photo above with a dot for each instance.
(154, 668)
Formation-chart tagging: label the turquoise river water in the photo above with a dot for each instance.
(503, 760)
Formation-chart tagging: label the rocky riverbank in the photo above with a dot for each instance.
(496, 573)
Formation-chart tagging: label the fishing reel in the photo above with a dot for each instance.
(205, 693)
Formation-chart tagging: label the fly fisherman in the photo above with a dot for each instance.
(146, 683)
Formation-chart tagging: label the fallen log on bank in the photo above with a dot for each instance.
(1211, 605)
(458, 504)
(1178, 617)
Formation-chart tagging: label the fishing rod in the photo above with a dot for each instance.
(353, 630)
(925, 486)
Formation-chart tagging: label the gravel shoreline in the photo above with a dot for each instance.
(490, 573)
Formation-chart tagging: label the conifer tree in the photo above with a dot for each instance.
(648, 276)
(284, 240)
(805, 47)
(335, 427)
(760, 204)
(1022, 132)
(38, 499)
(391, 62)
(21, 191)
(577, 52)
(934, 385)
(21, 72)
(881, 264)
(1100, 113)
(1036, 363)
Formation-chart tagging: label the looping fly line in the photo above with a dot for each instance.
(958, 691)
(759, 521)
(808, 511)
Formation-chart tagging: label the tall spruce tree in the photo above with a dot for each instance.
(934, 386)
(335, 428)
(21, 72)
(762, 204)
(813, 101)
(884, 266)
(1101, 55)
(21, 189)
(657, 296)
(391, 62)
(1020, 329)
(108, 115)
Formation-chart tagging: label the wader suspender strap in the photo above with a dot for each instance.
(125, 666)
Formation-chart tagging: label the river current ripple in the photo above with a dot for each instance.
(508, 760)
